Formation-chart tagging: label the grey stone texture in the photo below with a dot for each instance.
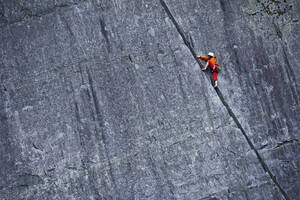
(104, 100)
(258, 45)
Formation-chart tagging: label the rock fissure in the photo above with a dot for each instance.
(101, 129)
(286, 142)
(221, 97)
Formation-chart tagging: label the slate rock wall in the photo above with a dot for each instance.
(256, 41)
(103, 100)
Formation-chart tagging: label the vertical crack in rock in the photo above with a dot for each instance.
(291, 77)
(99, 117)
(79, 124)
(230, 112)
(104, 33)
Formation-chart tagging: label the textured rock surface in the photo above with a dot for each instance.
(258, 46)
(103, 100)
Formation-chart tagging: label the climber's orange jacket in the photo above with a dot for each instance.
(211, 62)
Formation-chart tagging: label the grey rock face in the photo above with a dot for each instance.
(104, 100)
(257, 45)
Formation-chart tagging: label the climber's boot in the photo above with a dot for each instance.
(216, 84)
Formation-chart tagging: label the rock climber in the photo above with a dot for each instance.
(212, 64)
